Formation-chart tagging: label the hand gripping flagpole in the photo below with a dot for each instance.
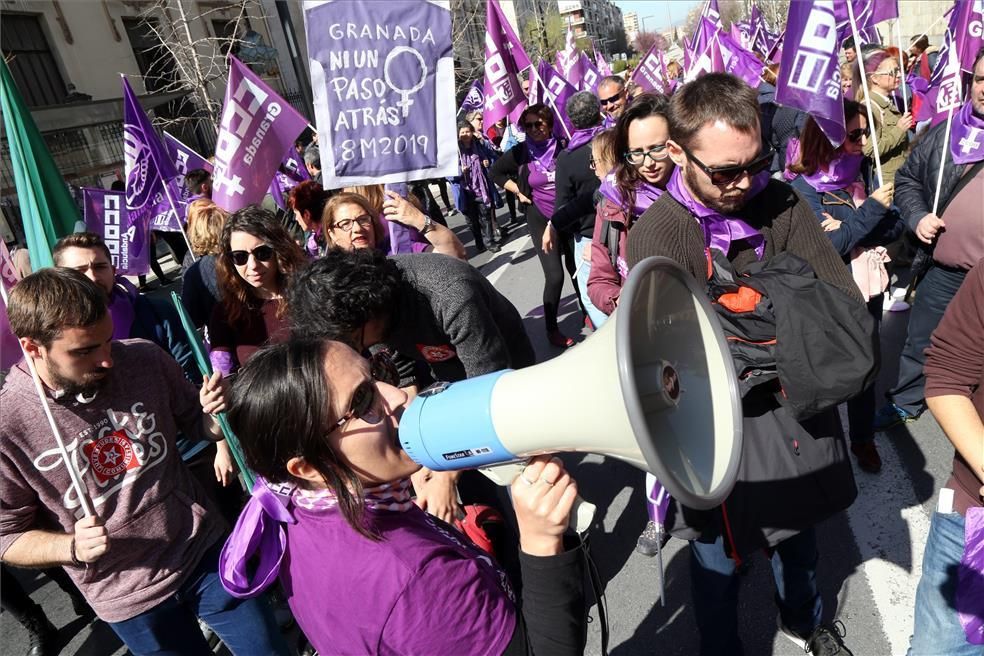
(867, 95)
(69, 462)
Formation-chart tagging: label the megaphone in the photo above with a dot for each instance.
(662, 395)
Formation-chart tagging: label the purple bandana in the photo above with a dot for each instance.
(720, 230)
(473, 174)
(840, 173)
(583, 136)
(609, 121)
(121, 307)
(645, 195)
(250, 559)
(542, 154)
(967, 136)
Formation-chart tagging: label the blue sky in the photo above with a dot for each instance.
(657, 9)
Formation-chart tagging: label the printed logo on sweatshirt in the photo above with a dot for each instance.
(437, 353)
(110, 455)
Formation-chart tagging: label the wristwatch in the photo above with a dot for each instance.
(428, 225)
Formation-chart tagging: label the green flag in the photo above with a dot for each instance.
(45, 202)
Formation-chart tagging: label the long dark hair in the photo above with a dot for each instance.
(626, 175)
(238, 297)
(815, 148)
(280, 409)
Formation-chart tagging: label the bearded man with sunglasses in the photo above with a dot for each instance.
(721, 197)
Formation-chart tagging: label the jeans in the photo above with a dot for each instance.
(581, 244)
(714, 590)
(937, 629)
(932, 296)
(246, 626)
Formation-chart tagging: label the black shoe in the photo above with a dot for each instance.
(826, 639)
(42, 633)
(651, 540)
(494, 248)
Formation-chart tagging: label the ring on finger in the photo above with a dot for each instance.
(526, 480)
(550, 483)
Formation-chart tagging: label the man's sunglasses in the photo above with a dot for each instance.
(262, 253)
(611, 100)
(857, 134)
(725, 175)
(363, 406)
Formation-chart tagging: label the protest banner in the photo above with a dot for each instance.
(185, 159)
(504, 59)
(809, 77)
(383, 81)
(105, 215)
(257, 128)
(589, 74)
(153, 199)
(650, 74)
(474, 99)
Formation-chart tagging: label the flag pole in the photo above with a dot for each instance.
(552, 100)
(946, 144)
(905, 95)
(73, 473)
(867, 95)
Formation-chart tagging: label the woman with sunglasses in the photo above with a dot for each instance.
(642, 169)
(366, 571)
(529, 171)
(258, 256)
(832, 181)
(891, 126)
(353, 221)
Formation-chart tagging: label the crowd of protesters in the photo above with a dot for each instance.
(323, 324)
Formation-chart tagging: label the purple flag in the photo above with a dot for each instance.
(553, 91)
(383, 81)
(741, 33)
(712, 14)
(504, 59)
(604, 68)
(945, 90)
(867, 13)
(474, 99)
(706, 56)
(566, 58)
(185, 159)
(291, 173)
(105, 215)
(257, 128)
(740, 62)
(10, 351)
(650, 74)
(809, 77)
(589, 74)
(153, 199)
(968, 31)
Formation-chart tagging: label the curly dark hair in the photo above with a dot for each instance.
(238, 297)
(310, 196)
(540, 111)
(626, 175)
(336, 295)
(281, 409)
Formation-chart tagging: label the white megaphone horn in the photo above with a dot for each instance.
(656, 387)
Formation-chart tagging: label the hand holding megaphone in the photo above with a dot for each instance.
(543, 496)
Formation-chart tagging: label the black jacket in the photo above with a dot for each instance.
(575, 179)
(915, 182)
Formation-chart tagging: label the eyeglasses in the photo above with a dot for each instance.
(364, 399)
(345, 225)
(591, 163)
(638, 157)
(725, 175)
(611, 100)
(857, 134)
(262, 253)
(532, 125)
(892, 73)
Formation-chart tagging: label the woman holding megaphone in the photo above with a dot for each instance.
(366, 571)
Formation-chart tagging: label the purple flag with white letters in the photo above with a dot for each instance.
(383, 80)
(474, 99)
(153, 199)
(504, 59)
(566, 58)
(809, 77)
(185, 159)
(257, 128)
(650, 74)
(105, 215)
(604, 68)
(554, 93)
(740, 62)
(945, 90)
(589, 74)
(291, 173)
(968, 31)
(700, 39)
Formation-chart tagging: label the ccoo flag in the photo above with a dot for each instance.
(554, 92)
(257, 128)
(809, 77)
(504, 59)
(46, 205)
(650, 74)
(105, 215)
(474, 99)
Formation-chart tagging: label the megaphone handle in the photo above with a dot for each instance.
(582, 512)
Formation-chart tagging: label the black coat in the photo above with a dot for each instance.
(575, 180)
(915, 182)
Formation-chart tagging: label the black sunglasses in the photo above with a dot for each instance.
(611, 99)
(532, 125)
(725, 175)
(381, 369)
(856, 134)
(262, 253)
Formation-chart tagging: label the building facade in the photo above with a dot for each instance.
(631, 24)
(594, 19)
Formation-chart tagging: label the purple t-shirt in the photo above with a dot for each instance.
(544, 187)
(421, 589)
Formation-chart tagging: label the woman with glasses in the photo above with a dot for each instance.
(642, 168)
(891, 126)
(367, 571)
(832, 180)
(258, 256)
(529, 170)
(352, 221)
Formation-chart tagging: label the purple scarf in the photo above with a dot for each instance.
(121, 307)
(841, 172)
(542, 154)
(967, 136)
(583, 136)
(251, 557)
(473, 174)
(645, 195)
(719, 229)
(609, 121)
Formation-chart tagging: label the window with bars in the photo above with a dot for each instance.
(31, 61)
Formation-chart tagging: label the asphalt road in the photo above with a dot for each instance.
(870, 556)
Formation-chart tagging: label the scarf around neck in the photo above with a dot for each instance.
(474, 173)
(967, 136)
(543, 153)
(251, 557)
(645, 195)
(720, 229)
(583, 136)
(840, 173)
